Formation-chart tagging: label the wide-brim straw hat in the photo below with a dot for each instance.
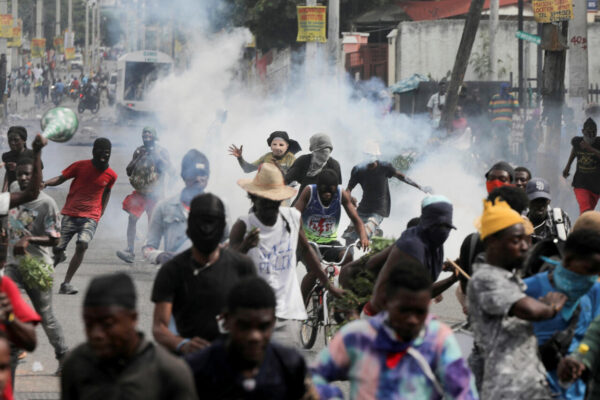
(268, 183)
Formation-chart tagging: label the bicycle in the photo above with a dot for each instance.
(318, 308)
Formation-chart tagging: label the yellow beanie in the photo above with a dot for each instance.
(497, 217)
(588, 220)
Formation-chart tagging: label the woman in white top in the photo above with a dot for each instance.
(274, 234)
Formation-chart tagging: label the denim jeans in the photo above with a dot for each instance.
(42, 303)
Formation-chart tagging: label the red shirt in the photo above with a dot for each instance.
(85, 193)
(23, 312)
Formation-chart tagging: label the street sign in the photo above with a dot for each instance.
(528, 37)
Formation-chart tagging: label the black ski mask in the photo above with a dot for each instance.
(101, 153)
(206, 222)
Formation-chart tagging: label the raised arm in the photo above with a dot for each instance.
(353, 215)
(33, 189)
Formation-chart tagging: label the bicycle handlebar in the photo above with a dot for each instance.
(316, 247)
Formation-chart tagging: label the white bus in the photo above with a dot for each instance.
(136, 74)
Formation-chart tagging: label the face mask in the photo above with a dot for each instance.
(496, 183)
(149, 144)
(437, 235)
(206, 233)
(573, 285)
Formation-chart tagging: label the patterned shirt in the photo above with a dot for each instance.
(379, 366)
(502, 109)
(506, 344)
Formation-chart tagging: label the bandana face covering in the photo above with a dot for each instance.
(493, 184)
(318, 161)
(573, 285)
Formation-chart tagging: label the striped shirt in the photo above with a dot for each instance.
(503, 108)
(378, 366)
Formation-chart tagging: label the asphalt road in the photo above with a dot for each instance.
(35, 383)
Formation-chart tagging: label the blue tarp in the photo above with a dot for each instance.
(408, 84)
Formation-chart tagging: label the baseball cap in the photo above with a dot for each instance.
(538, 188)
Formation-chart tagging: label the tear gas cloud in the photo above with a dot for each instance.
(191, 107)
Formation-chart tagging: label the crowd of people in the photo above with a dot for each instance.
(228, 299)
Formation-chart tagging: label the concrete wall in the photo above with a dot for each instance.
(429, 47)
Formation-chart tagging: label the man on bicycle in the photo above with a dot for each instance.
(321, 208)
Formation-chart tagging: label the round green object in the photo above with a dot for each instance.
(59, 124)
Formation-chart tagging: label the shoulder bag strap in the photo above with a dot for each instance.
(426, 368)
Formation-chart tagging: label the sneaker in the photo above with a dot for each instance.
(126, 256)
(67, 288)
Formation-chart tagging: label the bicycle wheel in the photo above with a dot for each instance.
(310, 327)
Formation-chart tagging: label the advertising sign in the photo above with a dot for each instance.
(312, 24)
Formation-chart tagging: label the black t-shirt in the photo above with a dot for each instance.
(198, 298)
(376, 191)
(11, 156)
(587, 174)
(299, 169)
(281, 375)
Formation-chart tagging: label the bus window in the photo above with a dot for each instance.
(140, 77)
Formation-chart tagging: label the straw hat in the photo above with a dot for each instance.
(268, 183)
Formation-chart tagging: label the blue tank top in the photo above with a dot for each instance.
(321, 223)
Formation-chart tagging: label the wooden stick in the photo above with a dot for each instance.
(459, 269)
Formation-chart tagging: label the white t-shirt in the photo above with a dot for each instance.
(434, 102)
(275, 260)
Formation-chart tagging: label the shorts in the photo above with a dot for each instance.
(136, 203)
(327, 254)
(371, 222)
(82, 226)
(586, 199)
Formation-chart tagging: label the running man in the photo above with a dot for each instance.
(87, 199)
(146, 172)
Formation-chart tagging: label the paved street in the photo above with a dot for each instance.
(32, 383)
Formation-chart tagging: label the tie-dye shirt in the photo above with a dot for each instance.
(367, 353)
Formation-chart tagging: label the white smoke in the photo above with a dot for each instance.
(190, 104)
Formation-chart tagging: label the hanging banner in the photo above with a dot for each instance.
(547, 11)
(15, 40)
(6, 25)
(59, 44)
(38, 47)
(312, 24)
(70, 53)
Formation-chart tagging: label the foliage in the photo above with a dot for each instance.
(480, 60)
(36, 274)
(361, 287)
(404, 161)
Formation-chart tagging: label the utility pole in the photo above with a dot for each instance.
(578, 59)
(39, 12)
(521, 78)
(333, 31)
(15, 50)
(57, 30)
(3, 41)
(93, 43)
(70, 15)
(494, 20)
(462, 61)
(86, 57)
(311, 47)
(554, 42)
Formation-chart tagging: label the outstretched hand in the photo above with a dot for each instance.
(236, 151)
